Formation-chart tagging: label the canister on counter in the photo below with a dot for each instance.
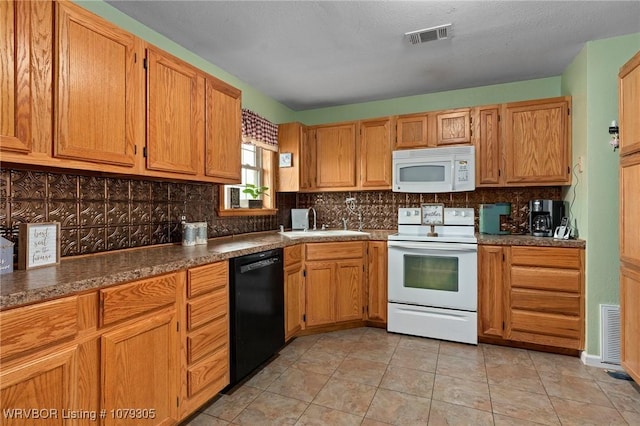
(201, 233)
(189, 234)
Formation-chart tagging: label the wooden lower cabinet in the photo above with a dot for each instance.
(490, 291)
(293, 290)
(39, 389)
(140, 370)
(630, 321)
(377, 259)
(206, 335)
(334, 283)
(532, 295)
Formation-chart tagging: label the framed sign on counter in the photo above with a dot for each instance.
(38, 245)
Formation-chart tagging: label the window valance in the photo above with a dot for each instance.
(259, 131)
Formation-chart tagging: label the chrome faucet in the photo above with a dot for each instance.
(311, 209)
(344, 223)
(360, 223)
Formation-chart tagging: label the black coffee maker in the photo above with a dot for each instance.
(545, 216)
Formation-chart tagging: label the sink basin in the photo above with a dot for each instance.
(322, 233)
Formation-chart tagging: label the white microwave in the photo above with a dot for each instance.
(429, 170)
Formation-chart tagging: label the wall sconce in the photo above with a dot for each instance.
(615, 135)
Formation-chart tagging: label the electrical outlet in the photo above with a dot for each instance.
(580, 164)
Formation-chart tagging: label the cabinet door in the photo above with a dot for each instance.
(25, 78)
(377, 282)
(140, 369)
(98, 105)
(630, 210)
(487, 141)
(412, 131)
(291, 138)
(629, 106)
(490, 290)
(41, 386)
(336, 156)
(222, 131)
(375, 153)
(536, 142)
(349, 290)
(630, 321)
(175, 98)
(320, 293)
(453, 127)
(293, 294)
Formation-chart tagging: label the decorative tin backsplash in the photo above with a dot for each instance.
(99, 214)
(380, 208)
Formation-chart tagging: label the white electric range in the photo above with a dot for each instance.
(433, 280)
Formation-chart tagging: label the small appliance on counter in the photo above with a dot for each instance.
(545, 216)
(491, 216)
(299, 219)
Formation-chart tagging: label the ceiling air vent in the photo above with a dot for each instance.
(440, 32)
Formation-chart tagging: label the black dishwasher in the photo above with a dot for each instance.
(256, 299)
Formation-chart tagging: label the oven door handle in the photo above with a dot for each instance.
(433, 246)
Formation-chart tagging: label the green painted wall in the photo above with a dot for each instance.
(499, 93)
(603, 61)
(251, 98)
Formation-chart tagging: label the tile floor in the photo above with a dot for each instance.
(366, 376)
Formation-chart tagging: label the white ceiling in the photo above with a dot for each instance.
(313, 54)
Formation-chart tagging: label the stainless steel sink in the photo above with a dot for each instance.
(322, 233)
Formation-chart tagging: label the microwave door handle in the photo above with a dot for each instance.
(453, 174)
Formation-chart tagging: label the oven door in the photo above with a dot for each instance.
(433, 274)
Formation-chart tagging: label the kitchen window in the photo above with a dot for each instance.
(256, 170)
(257, 156)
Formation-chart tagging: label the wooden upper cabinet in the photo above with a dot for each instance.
(487, 141)
(175, 103)
(223, 126)
(292, 138)
(335, 148)
(97, 89)
(453, 127)
(25, 78)
(537, 143)
(629, 106)
(412, 131)
(376, 138)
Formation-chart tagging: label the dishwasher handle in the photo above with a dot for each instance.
(259, 264)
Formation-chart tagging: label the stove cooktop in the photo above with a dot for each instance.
(457, 226)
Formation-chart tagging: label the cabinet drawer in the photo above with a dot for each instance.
(546, 278)
(546, 329)
(555, 257)
(207, 308)
(129, 300)
(545, 301)
(209, 370)
(34, 326)
(293, 255)
(207, 339)
(327, 251)
(204, 279)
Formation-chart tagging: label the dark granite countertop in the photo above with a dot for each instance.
(91, 272)
(527, 240)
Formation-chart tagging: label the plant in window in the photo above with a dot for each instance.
(255, 191)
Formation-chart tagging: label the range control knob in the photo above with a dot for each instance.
(454, 213)
(407, 213)
(464, 214)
